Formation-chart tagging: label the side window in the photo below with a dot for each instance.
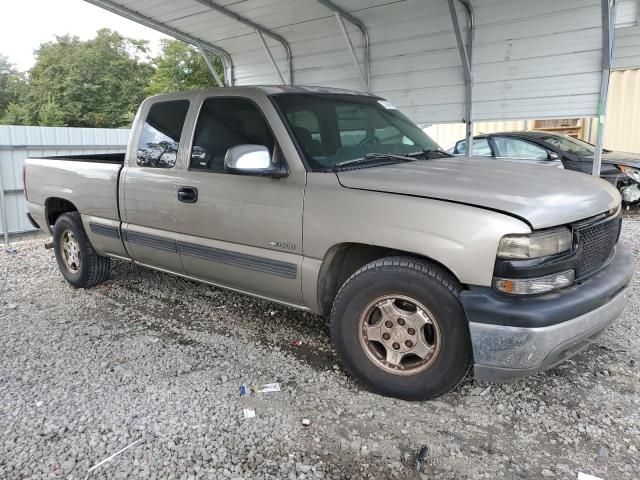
(160, 137)
(515, 148)
(480, 147)
(224, 123)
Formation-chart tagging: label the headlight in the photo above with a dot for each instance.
(535, 245)
(632, 173)
(533, 286)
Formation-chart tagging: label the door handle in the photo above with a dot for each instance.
(188, 194)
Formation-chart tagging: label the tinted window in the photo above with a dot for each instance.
(515, 148)
(224, 123)
(349, 127)
(160, 137)
(480, 147)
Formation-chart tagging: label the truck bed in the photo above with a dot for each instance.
(88, 182)
(117, 158)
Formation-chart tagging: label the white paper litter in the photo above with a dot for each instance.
(249, 413)
(269, 387)
(586, 476)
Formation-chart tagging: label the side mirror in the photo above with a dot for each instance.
(554, 156)
(251, 160)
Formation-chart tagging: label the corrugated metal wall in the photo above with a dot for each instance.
(18, 143)
(626, 49)
(622, 122)
(622, 129)
(532, 58)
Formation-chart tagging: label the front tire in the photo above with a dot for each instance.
(79, 263)
(399, 327)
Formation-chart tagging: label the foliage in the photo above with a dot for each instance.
(13, 86)
(98, 82)
(181, 67)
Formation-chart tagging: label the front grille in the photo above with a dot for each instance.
(596, 242)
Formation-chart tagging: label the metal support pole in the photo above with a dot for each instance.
(211, 67)
(347, 39)
(270, 56)
(112, 7)
(365, 37)
(3, 211)
(250, 23)
(608, 32)
(467, 64)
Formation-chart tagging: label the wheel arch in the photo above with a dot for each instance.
(344, 259)
(56, 206)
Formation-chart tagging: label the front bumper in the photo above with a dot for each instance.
(513, 338)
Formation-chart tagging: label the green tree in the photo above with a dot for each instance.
(94, 83)
(181, 67)
(13, 86)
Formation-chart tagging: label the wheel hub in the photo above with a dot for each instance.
(399, 334)
(70, 250)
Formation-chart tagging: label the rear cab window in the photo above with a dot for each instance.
(160, 137)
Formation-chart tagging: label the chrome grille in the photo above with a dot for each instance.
(596, 243)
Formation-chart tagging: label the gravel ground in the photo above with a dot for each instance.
(159, 360)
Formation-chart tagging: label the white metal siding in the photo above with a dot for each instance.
(626, 50)
(18, 143)
(532, 59)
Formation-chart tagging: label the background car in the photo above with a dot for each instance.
(560, 151)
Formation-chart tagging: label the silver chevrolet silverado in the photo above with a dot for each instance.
(334, 202)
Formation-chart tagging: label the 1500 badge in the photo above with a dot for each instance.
(288, 246)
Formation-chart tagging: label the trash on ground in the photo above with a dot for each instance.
(266, 388)
(603, 453)
(297, 342)
(113, 456)
(249, 412)
(250, 390)
(422, 457)
(269, 387)
(306, 422)
(586, 476)
(12, 306)
(485, 391)
(11, 250)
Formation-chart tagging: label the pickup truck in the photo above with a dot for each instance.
(334, 202)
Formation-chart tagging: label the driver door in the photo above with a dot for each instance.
(240, 231)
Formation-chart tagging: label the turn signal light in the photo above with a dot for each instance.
(535, 285)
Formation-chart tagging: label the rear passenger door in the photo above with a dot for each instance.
(242, 231)
(148, 192)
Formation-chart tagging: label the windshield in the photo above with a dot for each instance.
(570, 145)
(334, 128)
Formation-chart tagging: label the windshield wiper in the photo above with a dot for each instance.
(374, 158)
(428, 153)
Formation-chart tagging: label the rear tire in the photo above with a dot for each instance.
(399, 327)
(79, 263)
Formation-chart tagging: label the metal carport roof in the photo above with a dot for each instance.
(529, 59)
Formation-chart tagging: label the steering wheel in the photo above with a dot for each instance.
(369, 140)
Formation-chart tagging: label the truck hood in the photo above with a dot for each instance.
(543, 197)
